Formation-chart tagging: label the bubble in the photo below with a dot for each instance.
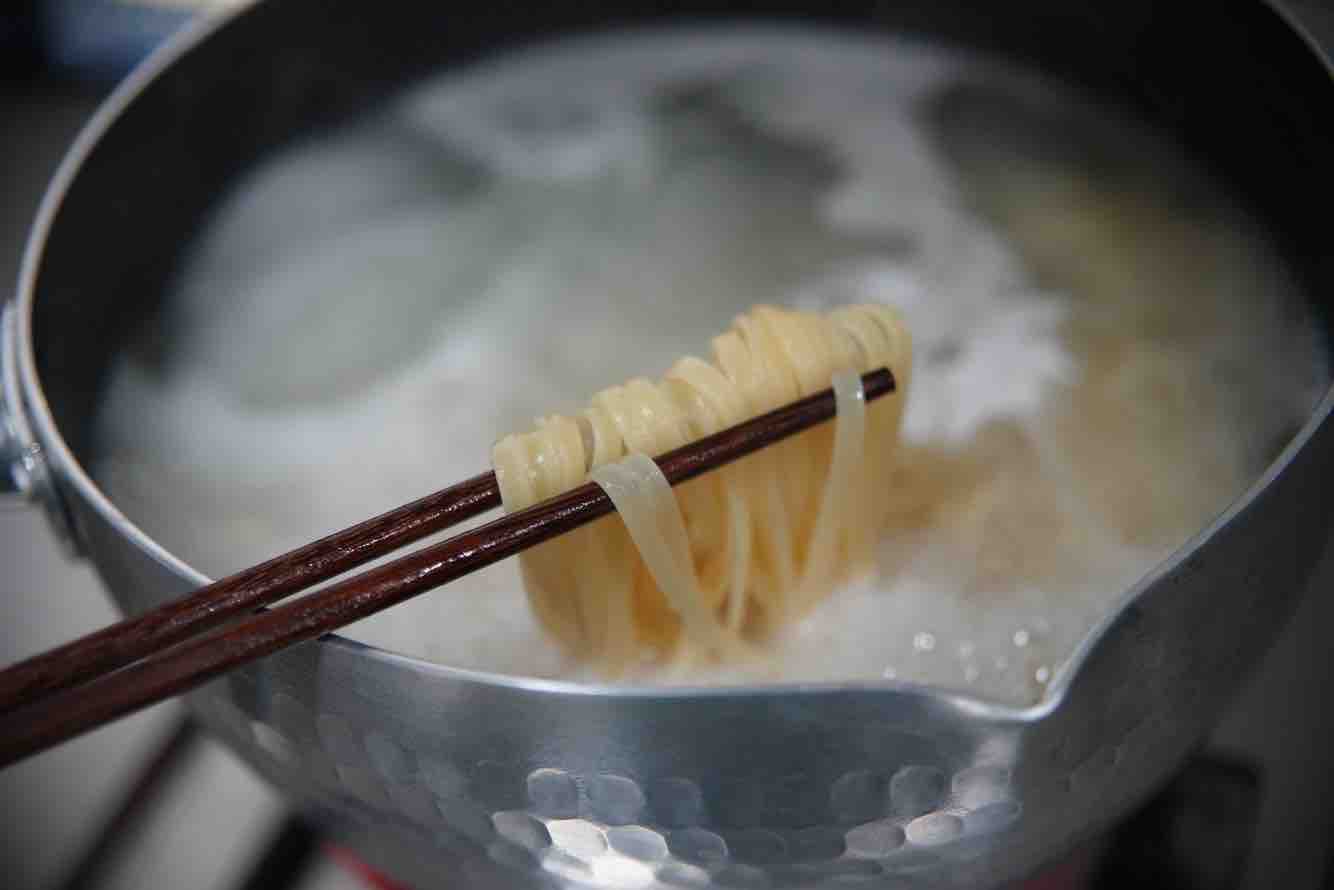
(923, 641)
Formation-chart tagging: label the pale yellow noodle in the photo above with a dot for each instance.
(707, 570)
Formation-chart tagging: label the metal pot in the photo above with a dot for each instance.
(429, 771)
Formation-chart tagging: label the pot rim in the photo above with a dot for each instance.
(67, 470)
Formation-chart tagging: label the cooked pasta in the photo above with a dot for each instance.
(726, 559)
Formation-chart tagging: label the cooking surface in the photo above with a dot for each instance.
(215, 818)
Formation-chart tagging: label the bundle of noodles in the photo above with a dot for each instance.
(730, 556)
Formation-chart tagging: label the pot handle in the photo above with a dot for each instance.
(25, 479)
(17, 459)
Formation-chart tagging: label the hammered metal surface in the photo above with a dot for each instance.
(602, 828)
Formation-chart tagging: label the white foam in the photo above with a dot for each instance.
(369, 312)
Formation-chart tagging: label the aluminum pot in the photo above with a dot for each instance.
(435, 774)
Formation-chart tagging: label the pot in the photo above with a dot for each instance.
(433, 773)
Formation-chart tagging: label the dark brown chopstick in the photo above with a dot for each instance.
(28, 681)
(200, 658)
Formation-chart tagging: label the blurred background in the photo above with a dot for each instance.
(1253, 809)
(204, 821)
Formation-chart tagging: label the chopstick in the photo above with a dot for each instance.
(119, 644)
(197, 658)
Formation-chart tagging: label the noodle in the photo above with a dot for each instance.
(732, 555)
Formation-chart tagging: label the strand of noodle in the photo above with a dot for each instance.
(729, 553)
(739, 538)
(646, 504)
(840, 484)
(810, 350)
(738, 385)
(704, 396)
(516, 476)
(770, 380)
(616, 558)
(561, 465)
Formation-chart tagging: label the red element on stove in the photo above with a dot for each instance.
(1075, 872)
(372, 878)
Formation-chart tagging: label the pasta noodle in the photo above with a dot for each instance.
(726, 559)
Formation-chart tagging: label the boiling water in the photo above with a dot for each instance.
(1107, 352)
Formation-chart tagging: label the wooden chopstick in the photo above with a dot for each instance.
(119, 644)
(198, 659)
